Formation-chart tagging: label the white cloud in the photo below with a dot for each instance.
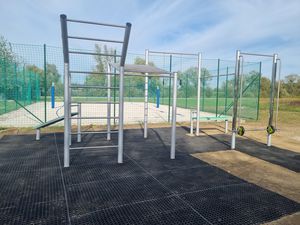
(216, 28)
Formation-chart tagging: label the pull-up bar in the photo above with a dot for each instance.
(256, 54)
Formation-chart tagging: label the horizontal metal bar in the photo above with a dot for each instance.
(256, 54)
(94, 147)
(173, 53)
(92, 86)
(97, 103)
(149, 75)
(92, 53)
(94, 118)
(221, 75)
(94, 39)
(96, 132)
(96, 23)
(91, 72)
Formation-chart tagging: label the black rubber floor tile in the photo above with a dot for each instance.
(160, 164)
(156, 212)
(240, 204)
(100, 172)
(193, 179)
(32, 187)
(51, 213)
(93, 196)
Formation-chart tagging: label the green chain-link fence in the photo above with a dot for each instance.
(26, 82)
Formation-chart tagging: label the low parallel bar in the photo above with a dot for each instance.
(96, 23)
(256, 54)
(95, 39)
(92, 53)
(97, 102)
(93, 118)
(95, 132)
(94, 147)
(91, 72)
(92, 86)
(149, 75)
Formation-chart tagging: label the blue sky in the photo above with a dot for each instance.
(216, 28)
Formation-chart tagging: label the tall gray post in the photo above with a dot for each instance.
(67, 105)
(198, 94)
(174, 109)
(236, 98)
(272, 88)
(146, 97)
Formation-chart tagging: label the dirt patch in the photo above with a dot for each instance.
(287, 220)
(264, 174)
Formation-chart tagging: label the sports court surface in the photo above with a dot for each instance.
(148, 188)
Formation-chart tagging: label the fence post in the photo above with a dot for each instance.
(115, 84)
(16, 85)
(186, 90)
(5, 86)
(23, 86)
(258, 97)
(226, 89)
(217, 97)
(45, 82)
(169, 108)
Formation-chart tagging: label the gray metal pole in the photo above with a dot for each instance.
(121, 116)
(271, 107)
(79, 122)
(146, 98)
(198, 94)
(64, 34)
(235, 103)
(173, 130)
(109, 103)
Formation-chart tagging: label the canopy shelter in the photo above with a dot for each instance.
(144, 71)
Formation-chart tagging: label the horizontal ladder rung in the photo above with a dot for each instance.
(87, 72)
(92, 86)
(92, 53)
(94, 118)
(91, 147)
(94, 39)
(95, 23)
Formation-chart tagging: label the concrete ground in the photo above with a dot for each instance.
(133, 114)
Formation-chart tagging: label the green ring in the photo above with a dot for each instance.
(241, 130)
(271, 129)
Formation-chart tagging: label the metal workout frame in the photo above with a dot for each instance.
(238, 93)
(68, 86)
(199, 56)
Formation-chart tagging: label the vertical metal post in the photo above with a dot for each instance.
(191, 125)
(79, 122)
(258, 97)
(235, 101)
(203, 91)
(173, 129)
(146, 97)
(198, 94)
(45, 82)
(218, 79)
(16, 84)
(186, 89)
(272, 89)
(5, 86)
(108, 103)
(64, 33)
(170, 70)
(115, 84)
(226, 91)
(121, 115)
